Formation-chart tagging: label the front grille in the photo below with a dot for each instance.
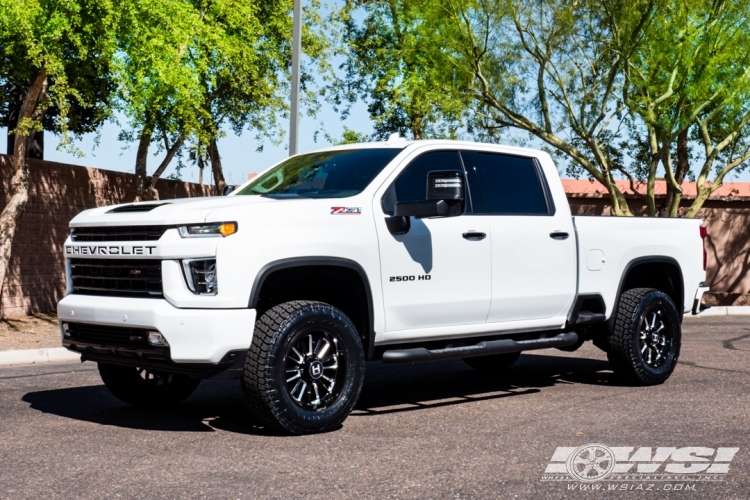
(108, 335)
(118, 233)
(117, 277)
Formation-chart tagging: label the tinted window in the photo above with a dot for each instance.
(328, 174)
(411, 184)
(504, 184)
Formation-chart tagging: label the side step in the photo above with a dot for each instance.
(587, 317)
(502, 346)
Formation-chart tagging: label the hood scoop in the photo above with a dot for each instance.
(136, 207)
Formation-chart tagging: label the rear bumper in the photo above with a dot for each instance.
(698, 305)
(195, 336)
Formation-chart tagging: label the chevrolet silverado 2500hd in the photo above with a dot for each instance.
(403, 251)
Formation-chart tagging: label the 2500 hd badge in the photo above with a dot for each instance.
(421, 277)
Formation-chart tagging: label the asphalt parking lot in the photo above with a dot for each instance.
(436, 430)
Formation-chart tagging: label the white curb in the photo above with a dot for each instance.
(726, 311)
(31, 356)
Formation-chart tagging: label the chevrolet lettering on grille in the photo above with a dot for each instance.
(108, 250)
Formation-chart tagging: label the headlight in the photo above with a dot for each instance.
(200, 275)
(208, 230)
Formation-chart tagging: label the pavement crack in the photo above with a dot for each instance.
(49, 373)
(729, 344)
(695, 365)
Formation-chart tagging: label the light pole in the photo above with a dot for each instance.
(296, 52)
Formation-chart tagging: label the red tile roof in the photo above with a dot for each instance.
(594, 189)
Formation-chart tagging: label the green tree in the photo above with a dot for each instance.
(392, 55)
(617, 88)
(159, 89)
(688, 85)
(57, 50)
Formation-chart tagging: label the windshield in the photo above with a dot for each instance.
(328, 174)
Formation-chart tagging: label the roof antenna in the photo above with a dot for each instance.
(394, 137)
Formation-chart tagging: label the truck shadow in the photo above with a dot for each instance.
(388, 389)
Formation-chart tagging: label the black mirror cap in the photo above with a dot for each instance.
(228, 189)
(423, 209)
(398, 225)
(445, 185)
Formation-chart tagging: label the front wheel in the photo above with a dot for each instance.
(305, 368)
(645, 344)
(146, 388)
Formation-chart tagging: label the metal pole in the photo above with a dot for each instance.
(296, 52)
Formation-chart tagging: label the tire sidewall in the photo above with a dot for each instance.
(653, 300)
(326, 318)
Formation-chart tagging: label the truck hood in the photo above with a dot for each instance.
(170, 212)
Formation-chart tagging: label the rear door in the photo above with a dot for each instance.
(533, 243)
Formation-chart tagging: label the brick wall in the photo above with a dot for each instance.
(58, 192)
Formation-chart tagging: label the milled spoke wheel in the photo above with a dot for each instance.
(644, 345)
(315, 366)
(655, 338)
(304, 370)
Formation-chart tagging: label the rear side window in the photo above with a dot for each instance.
(411, 184)
(504, 184)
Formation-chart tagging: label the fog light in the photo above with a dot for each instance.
(200, 275)
(157, 339)
(65, 331)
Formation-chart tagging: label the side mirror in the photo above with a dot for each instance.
(228, 189)
(444, 197)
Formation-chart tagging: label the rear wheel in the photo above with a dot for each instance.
(146, 388)
(494, 363)
(645, 344)
(305, 368)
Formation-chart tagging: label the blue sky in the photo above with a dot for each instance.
(239, 155)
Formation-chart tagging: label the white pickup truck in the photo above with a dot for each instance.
(400, 251)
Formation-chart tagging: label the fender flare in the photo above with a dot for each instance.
(278, 265)
(656, 259)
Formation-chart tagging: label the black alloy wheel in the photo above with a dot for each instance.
(304, 369)
(315, 366)
(644, 346)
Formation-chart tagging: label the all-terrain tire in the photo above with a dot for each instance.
(305, 368)
(494, 363)
(644, 346)
(146, 388)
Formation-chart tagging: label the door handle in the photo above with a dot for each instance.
(474, 235)
(559, 235)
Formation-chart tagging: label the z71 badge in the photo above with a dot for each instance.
(346, 210)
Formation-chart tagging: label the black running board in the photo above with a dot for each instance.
(502, 346)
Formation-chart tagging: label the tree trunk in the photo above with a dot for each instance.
(672, 200)
(36, 150)
(141, 161)
(151, 192)
(200, 175)
(213, 153)
(19, 184)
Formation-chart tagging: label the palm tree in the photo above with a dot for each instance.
(198, 155)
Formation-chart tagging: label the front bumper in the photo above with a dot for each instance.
(195, 336)
(698, 305)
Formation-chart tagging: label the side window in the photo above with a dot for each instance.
(411, 184)
(505, 184)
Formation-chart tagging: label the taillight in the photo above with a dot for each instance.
(704, 234)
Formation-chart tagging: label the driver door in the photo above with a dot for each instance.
(438, 274)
